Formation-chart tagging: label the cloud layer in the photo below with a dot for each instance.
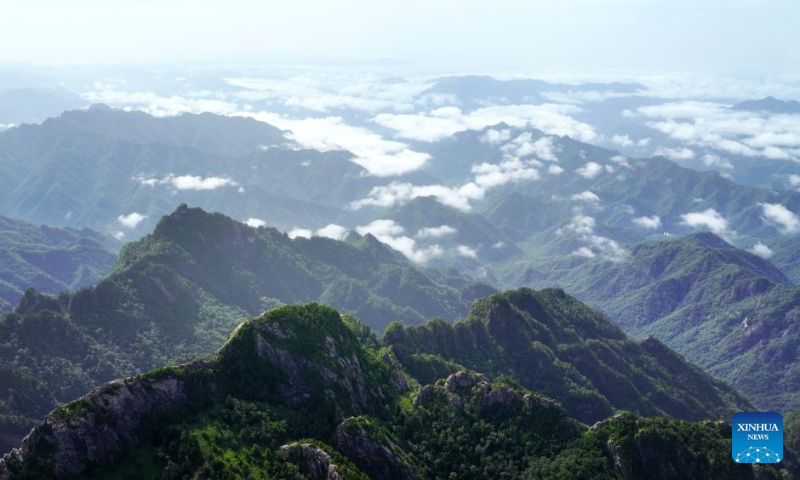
(377, 155)
(712, 125)
(443, 122)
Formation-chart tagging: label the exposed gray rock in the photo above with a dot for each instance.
(424, 395)
(94, 428)
(499, 398)
(622, 467)
(316, 464)
(399, 381)
(297, 391)
(530, 400)
(373, 453)
(463, 379)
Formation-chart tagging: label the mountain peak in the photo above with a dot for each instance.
(99, 107)
(303, 356)
(706, 239)
(769, 104)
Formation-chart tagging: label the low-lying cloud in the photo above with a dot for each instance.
(598, 246)
(651, 223)
(713, 125)
(332, 231)
(436, 232)
(762, 250)
(187, 182)
(255, 222)
(486, 176)
(392, 234)
(780, 217)
(709, 219)
(443, 122)
(380, 157)
(131, 220)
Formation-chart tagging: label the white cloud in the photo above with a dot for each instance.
(781, 217)
(590, 170)
(585, 252)
(119, 235)
(712, 160)
(621, 161)
(583, 96)
(553, 119)
(543, 148)
(377, 155)
(762, 250)
(555, 170)
(713, 125)
(255, 222)
(710, 219)
(682, 153)
(381, 228)
(648, 222)
(157, 105)
(486, 176)
(324, 93)
(188, 182)
(193, 182)
(390, 233)
(581, 224)
(332, 230)
(596, 245)
(435, 232)
(625, 141)
(466, 251)
(586, 196)
(132, 220)
(622, 140)
(496, 137)
(300, 232)
(794, 181)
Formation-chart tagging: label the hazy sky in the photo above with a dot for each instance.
(724, 37)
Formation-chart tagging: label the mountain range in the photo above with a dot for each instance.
(174, 296)
(302, 392)
(50, 260)
(727, 310)
(677, 267)
(178, 292)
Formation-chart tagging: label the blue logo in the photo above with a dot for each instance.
(757, 437)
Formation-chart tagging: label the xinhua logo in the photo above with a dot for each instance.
(757, 437)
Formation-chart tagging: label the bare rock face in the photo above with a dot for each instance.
(94, 428)
(329, 365)
(398, 380)
(302, 356)
(462, 379)
(315, 463)
(372, 450)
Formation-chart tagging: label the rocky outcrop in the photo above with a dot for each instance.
(304, 357)
(465, 387)
(372, 450)
(398, 378)
(94, 428)
(461, 380)
(314, 462)
(330, 366)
